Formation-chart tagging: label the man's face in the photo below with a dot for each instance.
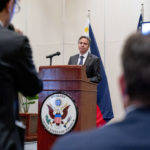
(83, 45)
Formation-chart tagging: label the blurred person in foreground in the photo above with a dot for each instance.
(17, 74)
(132, 133)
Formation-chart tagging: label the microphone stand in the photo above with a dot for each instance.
(51, 56)
(50, 61)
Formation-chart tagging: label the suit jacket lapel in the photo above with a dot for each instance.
(76, 59)
(88, 59)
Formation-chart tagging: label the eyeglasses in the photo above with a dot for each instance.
(17, 7)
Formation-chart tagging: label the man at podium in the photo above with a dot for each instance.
(91, 61)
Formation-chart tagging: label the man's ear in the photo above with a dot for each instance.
(123, 89)
(9, 6)
(122, 84)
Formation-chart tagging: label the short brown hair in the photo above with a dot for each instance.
(85, 37)
(136, 65)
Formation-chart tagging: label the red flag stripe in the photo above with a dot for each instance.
(99, 118)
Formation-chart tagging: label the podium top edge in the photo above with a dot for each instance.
(62, 66)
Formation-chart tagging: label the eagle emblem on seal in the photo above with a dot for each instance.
(59, 113)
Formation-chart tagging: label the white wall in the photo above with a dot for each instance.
(55, 25)
(121, 17)
(41, 21)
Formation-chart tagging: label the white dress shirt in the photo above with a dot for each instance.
(84, 59)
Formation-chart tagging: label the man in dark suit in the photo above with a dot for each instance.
(91, 62)
(17, 73)
(132, 133)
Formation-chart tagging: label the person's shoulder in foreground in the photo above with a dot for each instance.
(12, 37)
(118, 136)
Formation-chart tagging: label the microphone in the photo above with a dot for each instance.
(52, 55)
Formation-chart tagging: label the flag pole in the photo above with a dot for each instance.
(142, 10)
(63, 26)
(89, 15)
(105, 4)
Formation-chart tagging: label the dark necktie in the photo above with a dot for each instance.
(81, 60)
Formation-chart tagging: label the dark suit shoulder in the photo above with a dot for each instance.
(77, 55)
(12, 43)
(12, 37)
(73, 59)
(93, 56)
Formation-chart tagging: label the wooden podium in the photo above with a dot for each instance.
(72, 80)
